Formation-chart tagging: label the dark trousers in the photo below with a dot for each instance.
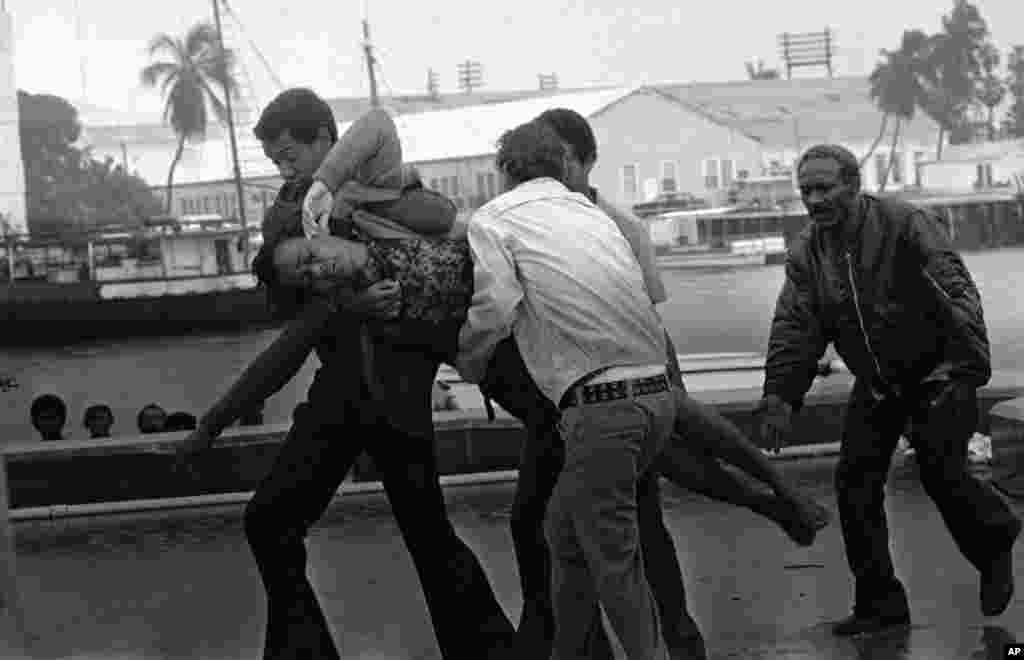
(943, 417)
(315, 457)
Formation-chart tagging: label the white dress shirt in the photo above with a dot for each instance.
(553, 269)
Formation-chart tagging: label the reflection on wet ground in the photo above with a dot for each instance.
(183, 585)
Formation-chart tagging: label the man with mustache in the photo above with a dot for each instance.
(879, 278)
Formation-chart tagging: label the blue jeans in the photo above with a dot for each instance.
(592, 528)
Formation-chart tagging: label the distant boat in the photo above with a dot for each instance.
(174, 276)
(715, 238)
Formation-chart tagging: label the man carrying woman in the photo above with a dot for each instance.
(351, 405)
(435, 275)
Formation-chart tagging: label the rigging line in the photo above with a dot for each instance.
(252, 44)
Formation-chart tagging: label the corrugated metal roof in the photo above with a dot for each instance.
(350, 108)
(474, 131)
(778, 112)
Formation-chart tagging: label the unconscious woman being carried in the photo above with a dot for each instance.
(435, 279)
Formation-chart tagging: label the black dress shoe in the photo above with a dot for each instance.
(997, 578)
(858, 625)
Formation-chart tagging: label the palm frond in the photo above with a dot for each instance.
(165, 43)
(156, 72)
(201, 37)
(220, 109)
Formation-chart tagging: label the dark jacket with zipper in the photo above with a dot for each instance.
(889, 292)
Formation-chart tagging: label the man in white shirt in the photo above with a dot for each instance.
(554, 271)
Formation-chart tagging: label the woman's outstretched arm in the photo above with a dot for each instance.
(271, 369)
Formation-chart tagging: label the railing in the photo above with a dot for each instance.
(828, 402)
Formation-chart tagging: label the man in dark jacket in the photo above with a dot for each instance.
(879, 279)
(367, 395)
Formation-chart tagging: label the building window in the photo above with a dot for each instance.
(984, 175)
(454, 185)
(897, 168)
(492, 185)
(881, 162)
(630, 182)
(919, 156)
(728, 168)
(184, 206)
(481, 184)
(434, 185)
(669, 184)
(710, 173)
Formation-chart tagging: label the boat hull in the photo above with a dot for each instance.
(71, 313)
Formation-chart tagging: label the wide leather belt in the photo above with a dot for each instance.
(614, 390)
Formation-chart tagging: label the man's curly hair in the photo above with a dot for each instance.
(849, 167)
(531, 151)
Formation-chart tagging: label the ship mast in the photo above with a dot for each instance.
(231, 137)
(370, 60)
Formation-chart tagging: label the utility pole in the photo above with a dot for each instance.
(433, 84)
(231, 137)
(370, 61)
(547, 81)
(470, 76)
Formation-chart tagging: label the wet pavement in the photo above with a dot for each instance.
(183, 585)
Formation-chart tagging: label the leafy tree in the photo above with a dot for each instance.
(954, 66)
(991, 89)
(1014, 122)
(67, 191)
(896, 90)
(194, 67)
(48, 128)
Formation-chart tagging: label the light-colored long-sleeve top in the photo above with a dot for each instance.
(364, 167)
(368, 154)
(640, 240)
(553, 269)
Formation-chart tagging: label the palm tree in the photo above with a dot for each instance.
(193, 68)
(896, 90)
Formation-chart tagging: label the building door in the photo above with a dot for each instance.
(220, 246)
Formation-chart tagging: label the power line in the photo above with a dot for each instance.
(252, 44)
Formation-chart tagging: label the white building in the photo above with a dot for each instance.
(970, 167)
(649, 142)
(788, 116)
(689, 138)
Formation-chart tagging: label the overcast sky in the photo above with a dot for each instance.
(317, 42)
